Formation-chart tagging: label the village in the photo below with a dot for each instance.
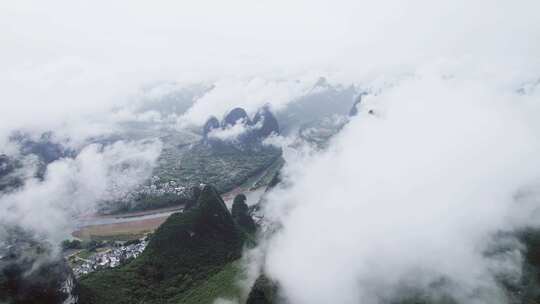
(111, 257)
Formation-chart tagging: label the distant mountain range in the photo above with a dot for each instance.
(251, 131)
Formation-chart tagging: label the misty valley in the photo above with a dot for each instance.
(270, 152)
(177, 208)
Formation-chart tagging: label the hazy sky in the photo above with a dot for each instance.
(66, 58)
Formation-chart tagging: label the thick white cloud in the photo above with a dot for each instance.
(410, 195)
(424, 183)
(250, 94)
(68, 58)
(72, 187)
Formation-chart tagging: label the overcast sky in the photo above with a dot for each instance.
(65, 58)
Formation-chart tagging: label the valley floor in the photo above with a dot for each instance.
(134, 225)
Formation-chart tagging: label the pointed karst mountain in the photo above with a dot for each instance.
(211, 124)
(236, 115)
(263, 291)
(240, 213)
(265, 123)
(182, 254)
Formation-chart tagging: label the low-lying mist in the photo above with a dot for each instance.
(421, 193)
(411, 197)
(72, 187)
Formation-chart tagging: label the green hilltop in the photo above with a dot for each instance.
(189, 259)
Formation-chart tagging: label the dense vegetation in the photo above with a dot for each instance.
(224, 165)
(240, 213)
(189, 250)
(220, 285)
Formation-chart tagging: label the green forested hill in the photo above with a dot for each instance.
(188, 251)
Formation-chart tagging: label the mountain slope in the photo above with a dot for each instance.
(183, 253)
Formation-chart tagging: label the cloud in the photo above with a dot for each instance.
(230, 133)
(52, 72)
(73, 187)
(124, 115)
(409, 197)
(250, 93)
(449, 146)
(224, 301)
